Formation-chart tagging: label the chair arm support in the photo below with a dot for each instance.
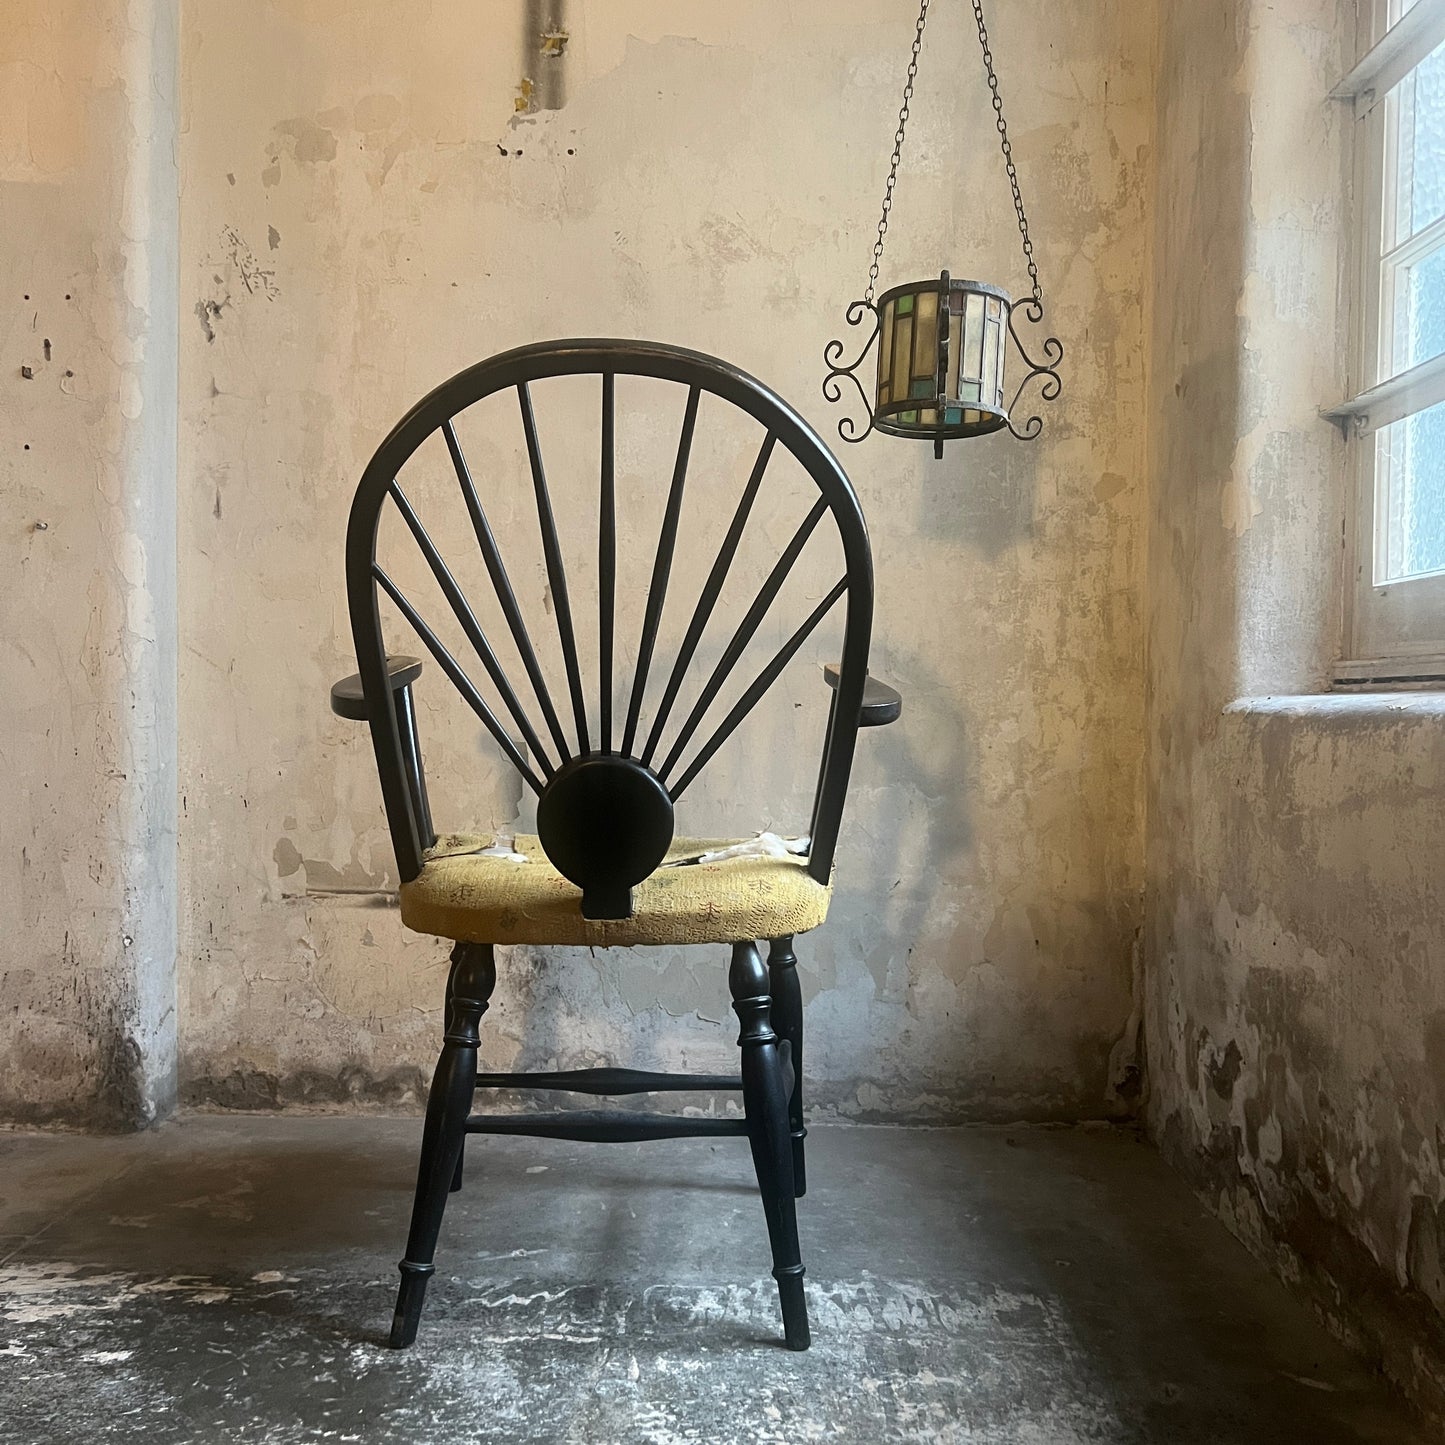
(347, 699)
(881, 704)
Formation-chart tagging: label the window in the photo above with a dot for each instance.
(1395, 602)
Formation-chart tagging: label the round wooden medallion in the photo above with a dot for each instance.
(605, 822)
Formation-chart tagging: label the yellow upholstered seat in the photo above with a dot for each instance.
(462, 893)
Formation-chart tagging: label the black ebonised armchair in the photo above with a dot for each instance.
(605, 868)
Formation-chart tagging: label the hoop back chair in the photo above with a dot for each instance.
(605, 867)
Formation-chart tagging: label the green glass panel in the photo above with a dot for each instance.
(885, 355)
(905, 304)
(926, 387)
(953, 416)
(909, 418)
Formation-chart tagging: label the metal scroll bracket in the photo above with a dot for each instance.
(1051, 387)
(848, 427)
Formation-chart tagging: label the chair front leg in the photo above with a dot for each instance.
(765, 1102)
(462, 1151)
(469, 989)
(787, 1020)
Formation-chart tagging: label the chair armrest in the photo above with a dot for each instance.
(347, 699)
(881, 704)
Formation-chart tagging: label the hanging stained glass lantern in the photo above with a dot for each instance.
(942, 344)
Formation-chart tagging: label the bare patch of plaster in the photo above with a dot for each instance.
(311, 143)
(1238, 504)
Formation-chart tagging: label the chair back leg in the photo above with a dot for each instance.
(469, 990)
(766, 1087)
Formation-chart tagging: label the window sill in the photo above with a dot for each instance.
(1360, 706)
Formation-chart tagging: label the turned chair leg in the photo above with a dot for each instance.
(469, 988)
(787, 1020)
(462, 1152)
(765, 1103)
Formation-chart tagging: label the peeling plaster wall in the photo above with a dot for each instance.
(1294, 935)
(88, 223)
(375, 194)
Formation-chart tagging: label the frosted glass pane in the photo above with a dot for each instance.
(1420, 122)
(1419, 311)
(955, 351)
(971, 367)
(1410, 472)
(902, 351)
(925, 338)
(991, 378)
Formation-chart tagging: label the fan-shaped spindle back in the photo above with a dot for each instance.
(605, 811)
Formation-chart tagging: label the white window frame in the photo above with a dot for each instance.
(1394, 632)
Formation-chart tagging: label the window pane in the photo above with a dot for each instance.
(1419, 311)
(1410, 478)
(1420, 147)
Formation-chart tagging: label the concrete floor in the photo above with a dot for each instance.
(231, 1278)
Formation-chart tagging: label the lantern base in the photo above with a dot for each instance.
(973, 422)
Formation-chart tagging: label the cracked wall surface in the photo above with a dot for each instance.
(88, 615)
(1294, 934)
(375, 195)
